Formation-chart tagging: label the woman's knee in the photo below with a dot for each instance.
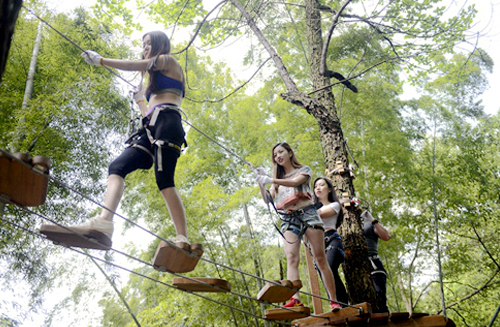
(293, 259)
(320, 259)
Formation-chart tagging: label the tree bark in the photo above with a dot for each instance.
(9, 11)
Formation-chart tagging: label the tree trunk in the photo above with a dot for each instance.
(28, 91)
(9, 10)
(356, 267)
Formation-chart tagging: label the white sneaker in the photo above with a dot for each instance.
(99, 224)
(179, 238)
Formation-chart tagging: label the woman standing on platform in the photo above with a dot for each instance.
(330, 212)
(160, 140)
(291, 191)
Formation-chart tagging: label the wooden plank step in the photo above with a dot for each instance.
(179, 259)
(91, 239)
(23, 184)
(287, 314)
(200, 284)
(273, 293)
(340, 317)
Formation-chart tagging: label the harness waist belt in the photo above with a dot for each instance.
(155, 111)
(298, 212)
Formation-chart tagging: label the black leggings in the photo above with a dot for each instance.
(379, 278)
(335, 256)
(139, 155)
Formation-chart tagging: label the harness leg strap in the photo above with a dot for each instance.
(161, 144)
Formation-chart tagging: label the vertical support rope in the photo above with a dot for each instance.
(436, 224)
(116, 289)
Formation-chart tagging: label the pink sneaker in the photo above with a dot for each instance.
(335, 306)
(293, 302)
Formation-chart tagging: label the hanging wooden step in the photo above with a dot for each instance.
(273, 293)
(24, 184)
(287, 314)
(340, 317)
(202, 284)
(73, 236)
(179, 259)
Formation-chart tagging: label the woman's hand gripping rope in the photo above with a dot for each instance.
(262, 179)
(92, 58)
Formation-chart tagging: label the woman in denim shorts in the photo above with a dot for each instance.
(292, 194)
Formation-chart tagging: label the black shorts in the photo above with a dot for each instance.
(141, 154)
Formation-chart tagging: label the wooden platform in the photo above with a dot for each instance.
(287, 314)
(24, 184)
(361, 315)
(273, 293)
(91, 239)
(200, 284)
(179, 259)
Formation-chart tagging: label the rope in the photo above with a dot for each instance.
(149, 264)
(74, 44)
(220, 144)
(133, 223)
(148, 231)
(129, 83)
(129, 270)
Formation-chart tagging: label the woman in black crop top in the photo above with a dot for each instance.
(161, 139)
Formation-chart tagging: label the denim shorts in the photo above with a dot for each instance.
(301, 222)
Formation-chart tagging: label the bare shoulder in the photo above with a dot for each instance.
(166, 62)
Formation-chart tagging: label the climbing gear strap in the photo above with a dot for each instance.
(156, 112)
(162, 143)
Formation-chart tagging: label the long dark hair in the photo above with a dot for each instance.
(160, 45)
(332, 197)
(279, 171)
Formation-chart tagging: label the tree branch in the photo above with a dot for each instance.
(200, 25)
(357, 75)
(289, 83)
(235, 90)
(471, 294)
(322, 67)
(484, 246)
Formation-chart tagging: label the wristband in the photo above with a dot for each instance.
(100, 61)
(141, 100)
(374, 221)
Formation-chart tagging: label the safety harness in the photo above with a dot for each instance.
(374, 266)
(147, 121)
(291, 217)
